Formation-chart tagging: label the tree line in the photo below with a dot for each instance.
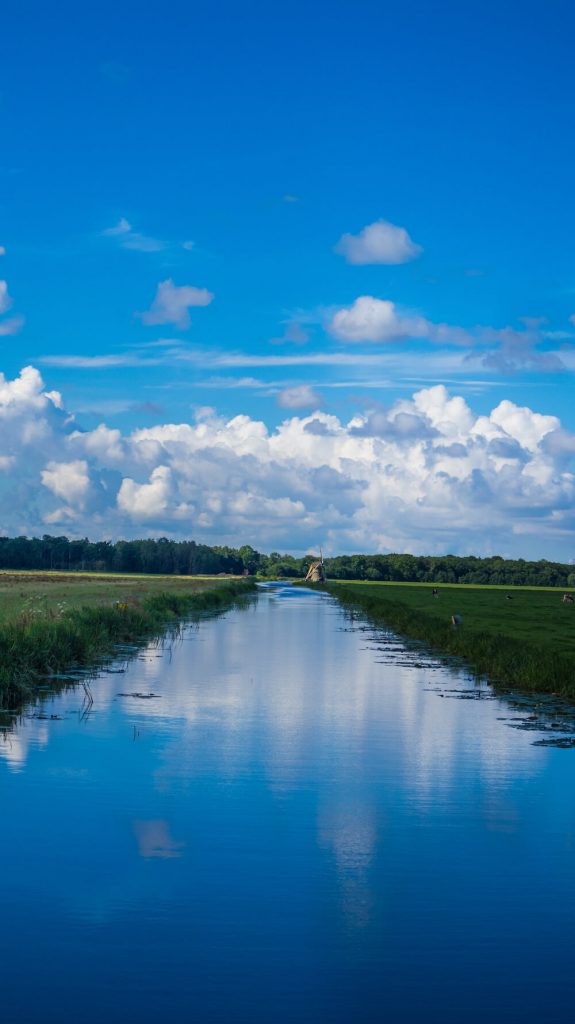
(188, 558)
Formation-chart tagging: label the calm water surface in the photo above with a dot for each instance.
(310, 822)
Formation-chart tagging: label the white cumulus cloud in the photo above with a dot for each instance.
(380, 242)
(144, 501)
(428, 474)
(67, 480)
(172, 302)
(26, 394)
(372, 319)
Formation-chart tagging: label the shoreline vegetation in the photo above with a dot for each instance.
(520, 638)
(177, 558)
(52, 624)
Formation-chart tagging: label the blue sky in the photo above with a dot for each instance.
(280, 174)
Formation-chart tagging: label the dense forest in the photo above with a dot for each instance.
(188, 558)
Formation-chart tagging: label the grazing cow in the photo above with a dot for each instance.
(568, 599)
(509, 597)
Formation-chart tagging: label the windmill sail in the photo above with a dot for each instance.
(316, 573)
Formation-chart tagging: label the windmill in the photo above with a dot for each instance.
(316, 572)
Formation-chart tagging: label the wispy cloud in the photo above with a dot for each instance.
(380, 242)
(5, 298)
(234, 383)
(143, 243)
(301, 397)
(393, 363)
(168, 343)
(398, 361)
(294, 333)
(245, 359)
(12, 324)
(78, 362)
(356, 371)
(119, 230)
(490, 352)
(130, 239)
(518, 350)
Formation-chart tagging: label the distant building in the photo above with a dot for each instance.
(315, 573)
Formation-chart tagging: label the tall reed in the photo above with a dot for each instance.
(33, 647)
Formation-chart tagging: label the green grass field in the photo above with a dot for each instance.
(50, 593)
(51, 622)
(525, 640)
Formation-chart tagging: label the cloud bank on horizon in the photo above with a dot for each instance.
(427, 475)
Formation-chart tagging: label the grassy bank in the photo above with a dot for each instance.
(51, 622)
(521, 637)
(52, 592)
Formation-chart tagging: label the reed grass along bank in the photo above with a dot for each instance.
(34, 646)
(519, 637)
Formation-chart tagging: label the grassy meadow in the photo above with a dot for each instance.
(23, 592)
(51, 623)
(517, 636)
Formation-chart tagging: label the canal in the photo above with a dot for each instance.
(285, 814)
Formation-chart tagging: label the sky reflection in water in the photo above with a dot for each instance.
(296, 828)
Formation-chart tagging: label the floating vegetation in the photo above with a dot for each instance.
(541, 662)
(527, 644)
(538, 714)
(40, 716)
(140, 696)
(563, 741)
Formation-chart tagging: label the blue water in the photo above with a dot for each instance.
(309, 823)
